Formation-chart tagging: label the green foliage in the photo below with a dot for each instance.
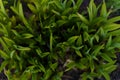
(34, 42)
(114, 4)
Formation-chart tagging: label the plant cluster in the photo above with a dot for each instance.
(45, 38)
(114, 4)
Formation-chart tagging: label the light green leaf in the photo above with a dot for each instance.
(2, 7)
(8, 41)
(79, 41)
(70, 65)
(114, 19)
(27, 35)
(3, 65)
(20, 10)
(109, 42)
(116, 45)
(42, 68)
(47, 74)
(14, 10)
(106, 57)
(16, 33)
(103, 10)
(51, 41)
(25, 75)
(110, 68)
(32, 8)
(106, 75)
(53, 66)
(4, 55)
(97, 49)
(4, 28)
(5, 47)
(12, 54)
(72, 39)
(45, 54)
(111, 27)
(86, 36)
(21, 48)
(92, 66)
(81, 66)
(82, 18)
(78, 3)
(55, 12)
(115, 32)
(78, 53)
(41, 54)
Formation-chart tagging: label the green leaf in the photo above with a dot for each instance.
(67, 11)
(70, 65)
(41, 54)
(14, 10)
(106, 75)
(115, 33)
(2, 8)
(5, 47)
(84, 76)
(16, 33)
(83, 19)
(92, 66)
(32, 8)
(8, 41)
(72, 39)
(20, 10)
(34, 76)
(80, 66)
(92, 10)
(27, 35)
(116, 45)
(97, 38)
(3, 65)
(53, 66)
(12, 54)
(78, 53)
(79, 41)
(58, 4)
(51, 41)
(21, 48)
(114, 19)
(47, 74)
(45, 54)
(55, 12)
(103, 10)
(78, 3)
(25, 75)
(111, 27)
(97, 49)
(61, 22)
(109, 42)
(86, 36)
(106, 57)
(110, 68)
(42, 68)
(4, 55)
(4, 28)
(72, 16)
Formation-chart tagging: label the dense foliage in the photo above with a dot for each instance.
(42, 39)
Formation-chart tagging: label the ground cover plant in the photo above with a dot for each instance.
(43, 39)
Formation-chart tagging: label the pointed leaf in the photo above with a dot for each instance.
(106, 57)
(3, 55)
(83, 19)
(72, 39)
